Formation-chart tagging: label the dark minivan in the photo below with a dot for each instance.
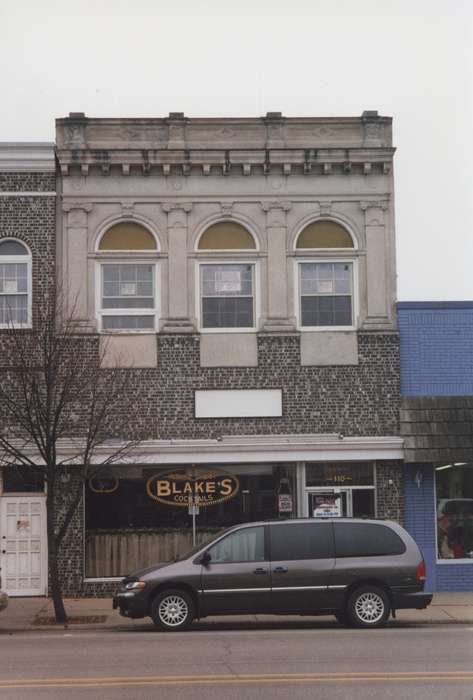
(357, 570)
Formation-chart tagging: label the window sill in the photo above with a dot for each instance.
(227, 330)
(465, 560)
(314, 329)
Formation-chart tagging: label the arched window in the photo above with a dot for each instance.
(326, 276)
(226, 235)
(127, 236)
(324, 234)
(227, 287)
(128, 279)
(15, 283)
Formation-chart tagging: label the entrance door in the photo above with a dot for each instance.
(23, 560)
(330, 503)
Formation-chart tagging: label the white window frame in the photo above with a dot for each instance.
(150, 311)
(256, 297)
(311, 258)
(16, 259)
(438, 560)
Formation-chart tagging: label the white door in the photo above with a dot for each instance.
(23, 542)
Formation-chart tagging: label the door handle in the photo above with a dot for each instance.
(280, 570)
(260, 571)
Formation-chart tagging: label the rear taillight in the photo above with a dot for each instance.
(420, 572)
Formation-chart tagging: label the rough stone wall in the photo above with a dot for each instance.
(27, 182)
(390, 490)
(32, 220)
(352, 400)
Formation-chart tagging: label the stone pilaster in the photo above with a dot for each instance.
(277, 317)
(75, 261)
(178, 320)
(378, 284)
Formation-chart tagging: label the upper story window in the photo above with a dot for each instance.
(326, 273)
(15, 283)
(227, 284)
(128, 279)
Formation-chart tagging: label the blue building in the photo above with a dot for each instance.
(437, 426)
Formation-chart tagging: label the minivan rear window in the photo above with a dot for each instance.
(366, 540)
(301, 541)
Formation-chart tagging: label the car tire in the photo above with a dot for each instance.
(172, 610)
(368, 606)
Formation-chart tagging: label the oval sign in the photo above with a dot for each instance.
(184, 487)
(103, 484)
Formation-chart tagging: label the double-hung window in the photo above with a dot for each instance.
(227, 285)
(128, 296)
(127, 279)
(326, 277)
(15, 284)
(326, 294)
(227, 293)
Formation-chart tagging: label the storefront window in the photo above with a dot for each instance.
(127, 529)
(339, 474)
(454, 485)
(22, 479)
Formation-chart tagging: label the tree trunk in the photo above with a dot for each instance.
(55, 581)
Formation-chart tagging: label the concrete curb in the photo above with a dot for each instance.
(37, 614)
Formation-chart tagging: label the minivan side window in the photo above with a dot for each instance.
(366, 540)
(242, 545)
(301, 541)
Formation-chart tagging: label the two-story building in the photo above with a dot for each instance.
(244, 271)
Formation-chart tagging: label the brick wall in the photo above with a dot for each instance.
(390, 490)
(32, 220)
(436, 348)
(356, 400)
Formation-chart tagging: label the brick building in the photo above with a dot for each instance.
(437, 426)
(244, 271)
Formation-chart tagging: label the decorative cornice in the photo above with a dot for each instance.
(268, 205)
(34, 157)
(180, 146)
(73, 206)
(248, 448)
(176, 206)
(380, 204)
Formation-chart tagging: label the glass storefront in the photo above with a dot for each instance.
(140, 515)
(340, 489)
(454, 505)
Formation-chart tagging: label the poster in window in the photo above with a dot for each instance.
(228, 281)
(326, 505)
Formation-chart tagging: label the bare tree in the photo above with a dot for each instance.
(57, 405)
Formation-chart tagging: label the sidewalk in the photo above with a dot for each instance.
(30, 614)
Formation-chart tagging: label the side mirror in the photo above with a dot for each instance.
(205, 558)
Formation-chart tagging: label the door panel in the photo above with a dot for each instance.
(23, 545)
(230, 584)
(302, 562)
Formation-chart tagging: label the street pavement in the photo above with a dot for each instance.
(28, 614)
(316, 658)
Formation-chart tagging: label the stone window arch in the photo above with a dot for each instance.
(324, 234)
(226, 235)
(127, 235)
(15, 283)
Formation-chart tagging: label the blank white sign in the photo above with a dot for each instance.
(238, 403)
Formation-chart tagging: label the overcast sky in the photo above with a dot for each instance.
(411, 59)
